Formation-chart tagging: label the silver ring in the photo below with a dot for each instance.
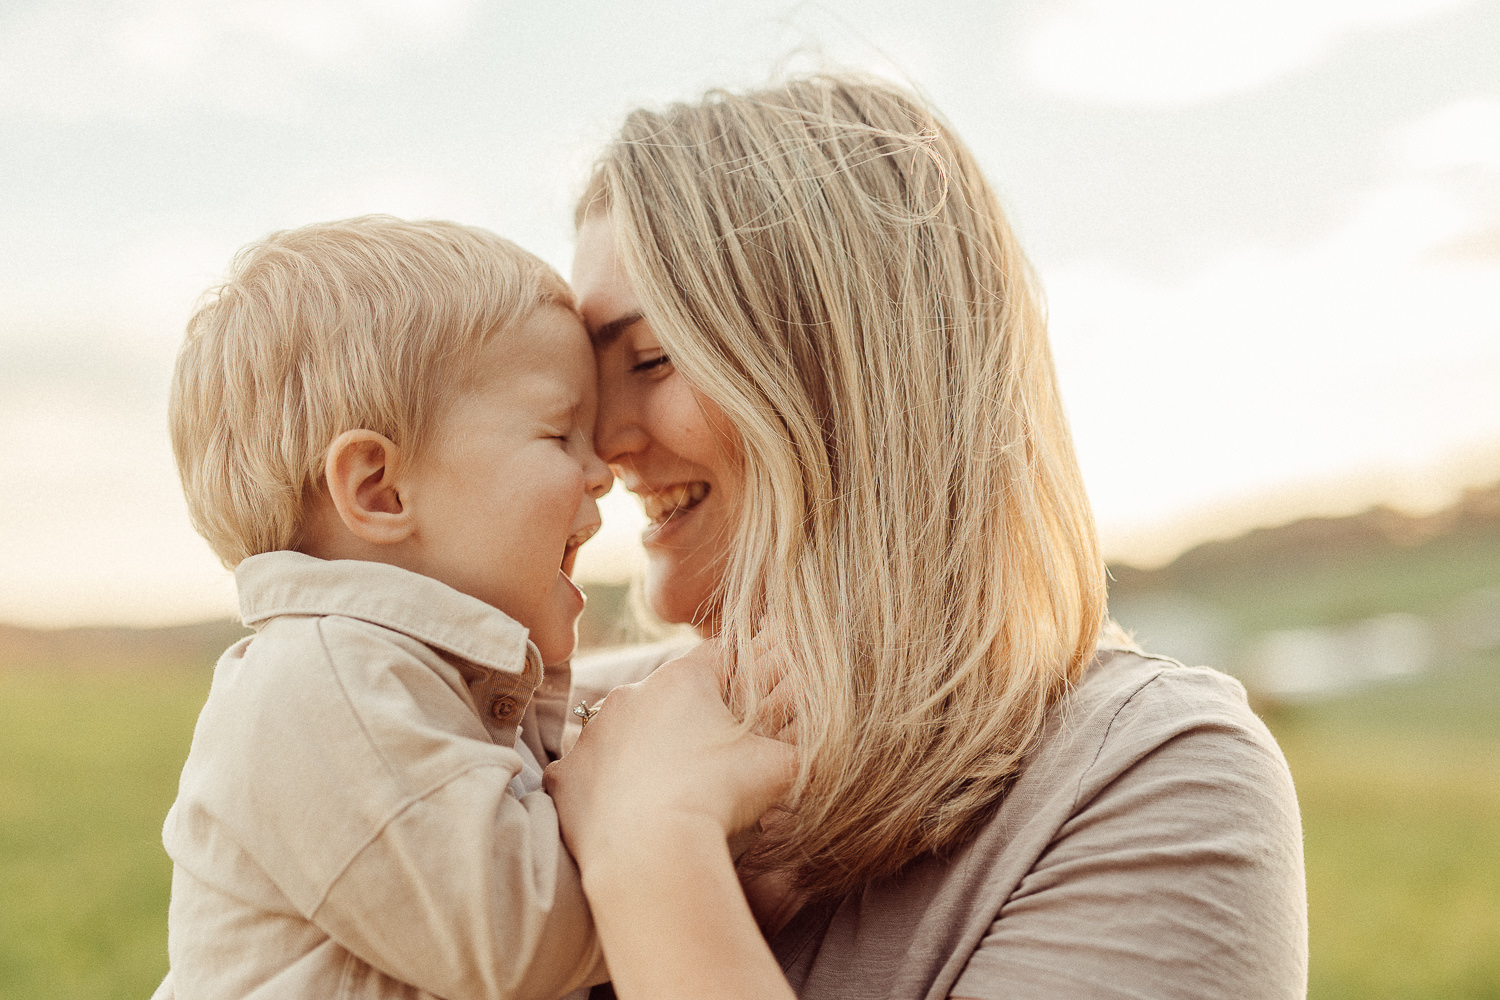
(585, 713)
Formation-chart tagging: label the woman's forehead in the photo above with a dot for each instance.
(606, 298)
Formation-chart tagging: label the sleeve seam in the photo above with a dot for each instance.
(400, 809)
(1108, 729)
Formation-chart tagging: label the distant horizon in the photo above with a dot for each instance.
(1418, 491)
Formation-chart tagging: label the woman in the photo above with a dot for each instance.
(824, 369)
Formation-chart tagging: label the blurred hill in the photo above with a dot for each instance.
(117, 647)
(1324, 605)
(606, 621)
(1476, 514)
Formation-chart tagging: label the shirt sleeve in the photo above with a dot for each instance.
(343, 774)
(1178, 875)
(503, 917)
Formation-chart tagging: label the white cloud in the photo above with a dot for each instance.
(1452, 158)
(328, 30)
(1462, 135)
(1367, 351)
(1188, 51)
(155, 284)
(81, 60)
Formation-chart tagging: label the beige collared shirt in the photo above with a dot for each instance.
(357, 817)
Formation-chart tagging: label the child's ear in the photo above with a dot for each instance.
(361, 472)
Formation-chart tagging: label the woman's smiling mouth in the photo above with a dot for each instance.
(661, 505)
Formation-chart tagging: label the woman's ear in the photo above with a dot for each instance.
(361, 472)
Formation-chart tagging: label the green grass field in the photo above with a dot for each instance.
(1400, 795)
(1400, 789)
(88, 763)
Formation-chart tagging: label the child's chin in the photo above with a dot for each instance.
(560, 649)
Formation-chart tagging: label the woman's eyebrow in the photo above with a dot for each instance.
(610, 332)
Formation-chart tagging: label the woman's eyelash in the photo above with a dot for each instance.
(651, 363)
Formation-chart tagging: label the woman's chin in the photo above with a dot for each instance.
(676, 592)
(664, 599)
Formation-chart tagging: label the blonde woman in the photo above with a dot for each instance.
(824, 369)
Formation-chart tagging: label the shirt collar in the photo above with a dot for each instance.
(293, 583)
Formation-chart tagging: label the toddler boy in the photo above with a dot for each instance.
(385, 427)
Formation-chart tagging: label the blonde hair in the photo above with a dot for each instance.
(366, 323)
(826, 262)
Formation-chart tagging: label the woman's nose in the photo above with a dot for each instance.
(617, 427)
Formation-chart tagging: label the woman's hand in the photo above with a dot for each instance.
(647, 799)
(666, 752)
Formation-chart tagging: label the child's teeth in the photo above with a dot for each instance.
(570, 549)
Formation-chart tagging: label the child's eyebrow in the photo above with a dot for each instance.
(610, 332)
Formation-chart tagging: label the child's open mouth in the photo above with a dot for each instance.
(570, 550)
(664, 504)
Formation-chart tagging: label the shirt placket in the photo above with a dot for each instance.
(502, 698)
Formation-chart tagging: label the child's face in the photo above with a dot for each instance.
(505, 493)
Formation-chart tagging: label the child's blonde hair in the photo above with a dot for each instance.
(368, 323)
(827, 263)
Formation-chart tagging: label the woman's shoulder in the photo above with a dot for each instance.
(1128, 699)
(1123, 674)
(1155, 799)
(1139, 727)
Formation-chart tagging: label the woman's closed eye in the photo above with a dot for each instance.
(651, 362)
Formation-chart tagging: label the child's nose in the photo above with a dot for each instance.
(597, 477)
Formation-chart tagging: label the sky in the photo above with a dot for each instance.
(1269, 233)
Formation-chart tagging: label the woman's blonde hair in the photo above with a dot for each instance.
(824, 260)
(369, 323)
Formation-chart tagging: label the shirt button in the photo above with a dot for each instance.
(504, 708)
